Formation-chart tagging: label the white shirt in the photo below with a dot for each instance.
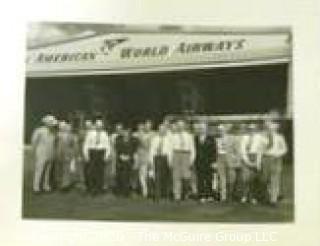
(278, 148)
(252, 144)
(183, 141)
(97, 140)
(161, 145)
(113, 138)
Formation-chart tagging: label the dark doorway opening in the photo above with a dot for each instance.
(130, 98)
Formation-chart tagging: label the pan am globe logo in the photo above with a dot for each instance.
(110, 44)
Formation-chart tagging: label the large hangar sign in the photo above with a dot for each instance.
(123, 52)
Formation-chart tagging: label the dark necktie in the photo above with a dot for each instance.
(202, 139)
(182, 142)
(270, 141)
(250, 143)
(160, 146)
(98, 138)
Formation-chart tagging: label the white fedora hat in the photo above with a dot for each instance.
(49, 120)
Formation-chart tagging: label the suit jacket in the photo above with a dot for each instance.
(206, 152)
(126, 147)
(44, 143)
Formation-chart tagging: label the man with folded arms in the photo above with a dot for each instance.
(251, 152)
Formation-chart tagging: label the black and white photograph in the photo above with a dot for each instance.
(158, 123)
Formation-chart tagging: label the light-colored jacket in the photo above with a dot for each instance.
(166, 144)
(43, 143)
(67, 146)
(279, 147)
(252, 145)
(184, 141)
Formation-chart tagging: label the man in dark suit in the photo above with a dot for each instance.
(205, 146)
(126, 147)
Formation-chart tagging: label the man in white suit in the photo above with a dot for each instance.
(43, 145)
(142, 158)
(275, 148)
(182, 159)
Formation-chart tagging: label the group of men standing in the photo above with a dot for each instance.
(171, 162)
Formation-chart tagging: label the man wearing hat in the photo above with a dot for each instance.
(251, 153)
(96, 151)
(274, 149)
(43, 145)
